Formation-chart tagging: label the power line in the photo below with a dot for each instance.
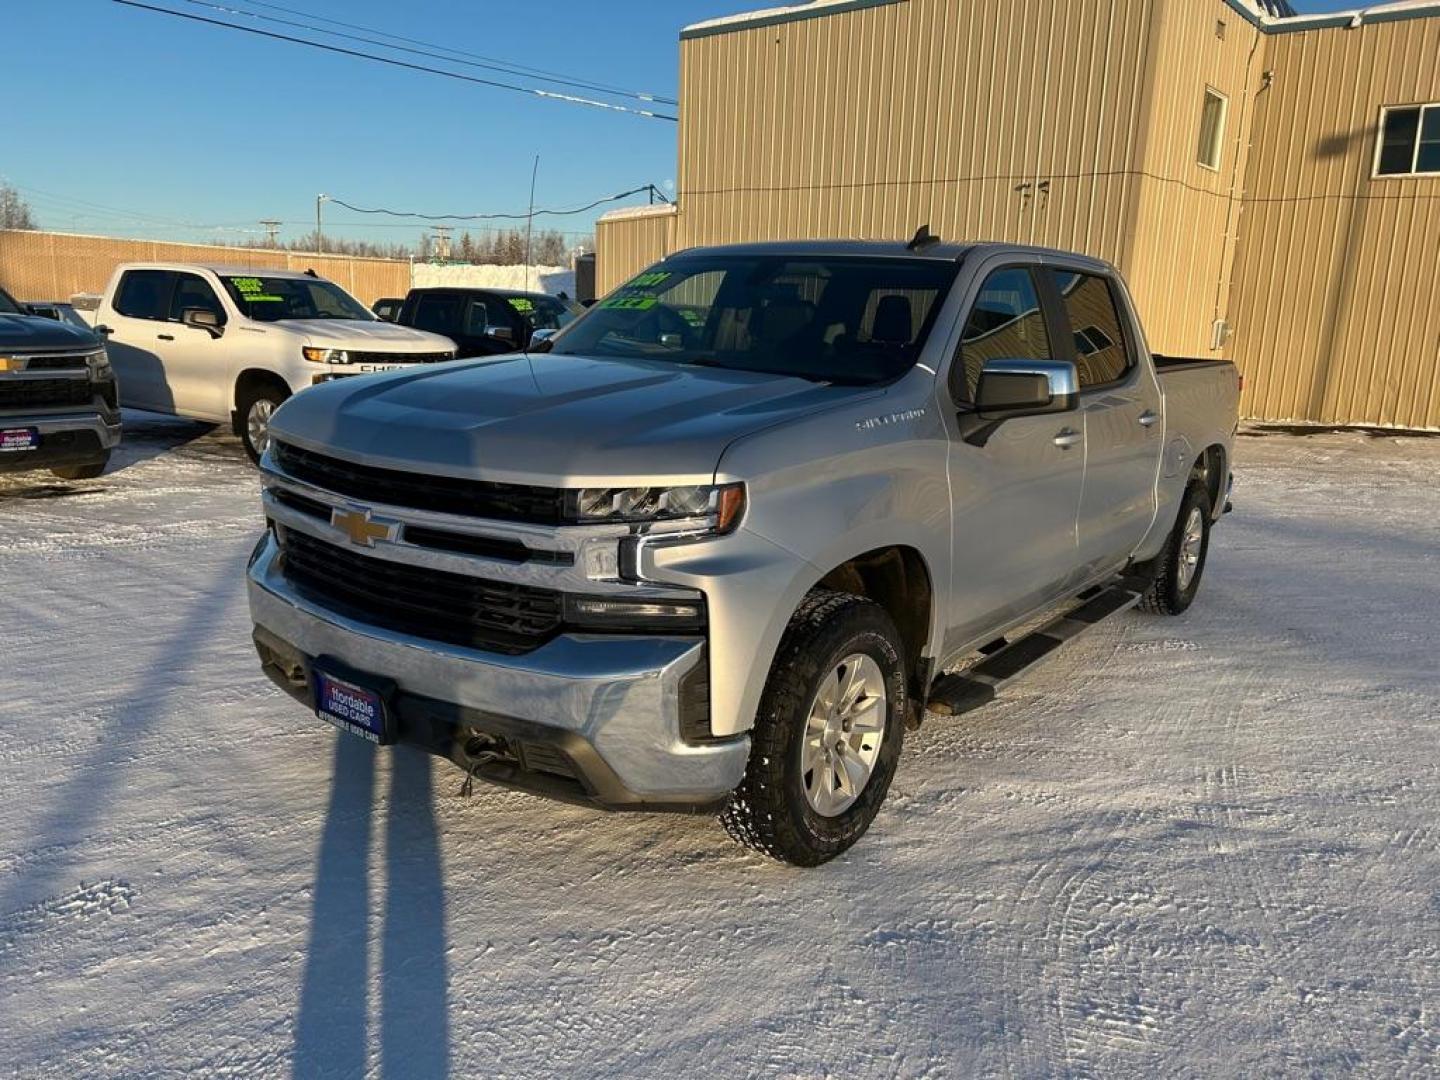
(429, 44)
(551, 95)
(492, 217)
(453, 56)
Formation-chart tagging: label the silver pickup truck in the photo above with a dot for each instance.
(722, 540)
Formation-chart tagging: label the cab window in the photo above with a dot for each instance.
(1006, 323)
(1101, 356)
(194, 292)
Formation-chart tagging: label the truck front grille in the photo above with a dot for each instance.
(399, 357)
(75, 362)
(442, 494)
(496, 616)
(44, 393)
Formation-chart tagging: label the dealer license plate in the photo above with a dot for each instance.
(356, 709)
(15, 439)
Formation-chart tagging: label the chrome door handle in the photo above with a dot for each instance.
(1148, 418)
(1068, 438)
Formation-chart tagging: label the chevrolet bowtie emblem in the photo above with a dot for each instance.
(361, 528)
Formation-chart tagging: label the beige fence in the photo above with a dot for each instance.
(55, 266)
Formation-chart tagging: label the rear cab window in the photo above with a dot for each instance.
(145, 294)
(1101, 352)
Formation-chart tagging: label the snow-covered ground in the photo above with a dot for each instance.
(1201, 846)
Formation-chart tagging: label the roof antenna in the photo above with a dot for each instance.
(310, 272)
(922, 239)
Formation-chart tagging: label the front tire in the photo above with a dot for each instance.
(88, 471)
(1182, 562)
(254, 419)
(828, 734)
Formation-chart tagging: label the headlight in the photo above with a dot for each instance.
(326, 356)
(99, 364)
(719, 505)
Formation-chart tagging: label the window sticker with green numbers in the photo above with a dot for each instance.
(637, 294)
(253, 289)
(522, 304)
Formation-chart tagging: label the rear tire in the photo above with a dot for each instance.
(253, 419)
(88, 471)
(838, 677)
(1181, 563)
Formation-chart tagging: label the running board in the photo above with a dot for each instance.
(952, 695)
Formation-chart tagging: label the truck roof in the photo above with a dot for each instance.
(220, 269)
(943, 251)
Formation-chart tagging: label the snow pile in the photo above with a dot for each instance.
(547, 279)
(1195, 846)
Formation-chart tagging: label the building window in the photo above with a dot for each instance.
(1212, 128)
(1409, 141)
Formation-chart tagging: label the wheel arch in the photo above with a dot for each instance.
(898, 578)
(1211, 468)
(248, 382)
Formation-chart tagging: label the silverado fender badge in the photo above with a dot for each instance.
(872, 422)
(361, 527)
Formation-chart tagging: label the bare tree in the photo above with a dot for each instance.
(14, 210)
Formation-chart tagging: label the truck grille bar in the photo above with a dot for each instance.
(440, 494)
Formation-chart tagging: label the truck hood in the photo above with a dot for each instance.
(378, 336)
(558, 421)
(23, 332)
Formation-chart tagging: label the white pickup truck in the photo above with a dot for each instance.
(229, 344)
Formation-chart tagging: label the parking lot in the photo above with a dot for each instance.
(1210, 840)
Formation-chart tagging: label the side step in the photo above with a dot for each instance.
(952, 695)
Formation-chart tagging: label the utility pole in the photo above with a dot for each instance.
(319, 228)
(530, 219)
(272, 232)
(442, 242)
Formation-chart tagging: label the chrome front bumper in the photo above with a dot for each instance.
(610, 703)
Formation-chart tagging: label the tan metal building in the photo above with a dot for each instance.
(1269, 184)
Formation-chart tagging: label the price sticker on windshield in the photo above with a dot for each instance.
(630, 303)
(522, 304)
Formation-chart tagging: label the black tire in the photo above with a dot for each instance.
(264, 395)
(88, 471)
(769, 812)
(1170, 593)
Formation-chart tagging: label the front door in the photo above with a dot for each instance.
(1120, 404)
(1017, 497)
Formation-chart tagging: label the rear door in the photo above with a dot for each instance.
(197, 362)
(139, 338)
(1120, 405)
(1015, 499)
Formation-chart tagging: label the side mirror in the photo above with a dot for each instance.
(1014, 388)
(1011, 388)
(202, 319)
(542, 337)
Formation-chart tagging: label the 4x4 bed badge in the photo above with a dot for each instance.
(362, 528)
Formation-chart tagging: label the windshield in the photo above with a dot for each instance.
(543, 312)
(8, 306)
(273, 299)
(852, 320)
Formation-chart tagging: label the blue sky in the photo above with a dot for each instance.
(125, 122)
